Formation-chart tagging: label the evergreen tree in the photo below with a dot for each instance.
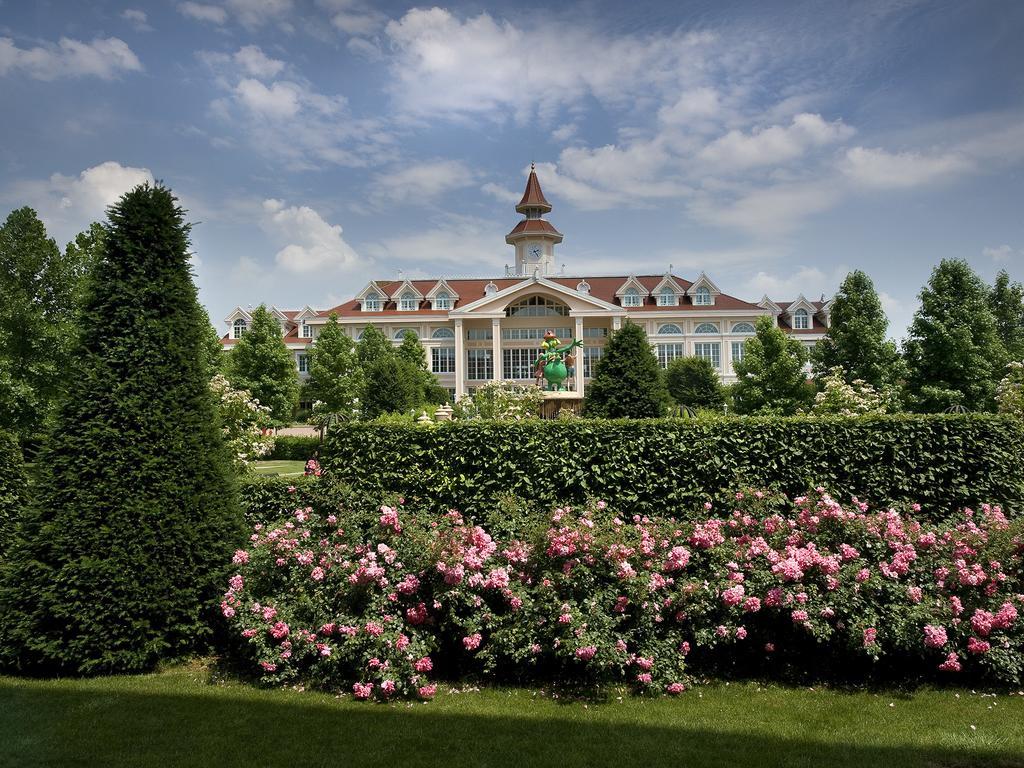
(261, 363)
(82, 254)
(627, 381)
(693, 381)
(391, 385)
(38, 308)
(770, 377)
(1006, 300)
(335, 378)
(373, 346)
(953, 353)
(120, 559)
(412, 351)
(856, 340)
(12, 489)
(213, 350)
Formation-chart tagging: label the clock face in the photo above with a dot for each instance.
(534, 251)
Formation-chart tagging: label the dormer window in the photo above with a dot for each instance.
(702, 296)
(631, 298)
(801, 320)
(490, 289)
(443, 301)
(408, 302)
(583, 287)
(239, 328)
(667, 297)
(372, 303)
(305, 331)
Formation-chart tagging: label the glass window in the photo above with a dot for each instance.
(409, 302)
(518, 363)
(666, 297)
(526, 334)
(670, 329)
(800, 319)
(583, 287)
(706, 328)
(595, 333)
(372, 303)
(479, 334)
(443, 333)
(400, 333)
(710, 351)
(590, 357)
(239, 328)
(305, 331)
(479, 364)
(631, 298)
(303, 363)
(443, 300)
(702, 296)
(442, 359)
(737, 350)
(537, 306)
(743, 328)
(668, 352)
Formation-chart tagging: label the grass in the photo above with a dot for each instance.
(180, 718)
(280, 467)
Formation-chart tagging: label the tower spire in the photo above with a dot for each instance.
(534, 237)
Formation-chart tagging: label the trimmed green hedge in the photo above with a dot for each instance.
(294, 448)
(266, 497)
(666, 465)
(12, 488)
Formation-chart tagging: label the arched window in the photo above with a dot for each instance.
(631, 298)
(583, 287)
(537, 306)
(743, 328)
(372, 303)
(670, 329)
(702, 296)
(400, 333)
(443, 300)
(490, 289)
(239, 328)
(409, 302)
(443, 333)
(359, 334)
(800, 319)
(706, 328)
(666, 297)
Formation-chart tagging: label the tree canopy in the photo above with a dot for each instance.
(627, 381)
(693, 381)
(771, 377)
(261, 363)
(335, 376)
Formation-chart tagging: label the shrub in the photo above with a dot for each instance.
(294, 448)
(381, 606)
(12, 488)
(838, 398)
(1010, 392)
(501, 401)
(263, 498)
(693, 381)
(943, 461)
(118, 559)
(243, 421)
(627, 381)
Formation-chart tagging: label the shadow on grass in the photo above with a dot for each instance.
(63, 724)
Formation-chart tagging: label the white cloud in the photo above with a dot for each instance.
(353, 17)
(876, 167)
(812, 282)
(482, 66)
(773, 145)
(998, 252)
(279, 100)
(695, 104)
(203, 12)
(772, 210)
(564, 132)
(255, 62)
(105, 58)
(137, 19)
(311, 243)
(501, 193)
(255, 13)
(459, 242)
(422, 182)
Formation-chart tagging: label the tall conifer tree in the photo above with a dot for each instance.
(335, 377)
(627, 382)
(120, 559)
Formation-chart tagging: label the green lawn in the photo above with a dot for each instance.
(178, 718)
(280, 467)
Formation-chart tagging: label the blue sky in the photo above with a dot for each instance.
(323, 143)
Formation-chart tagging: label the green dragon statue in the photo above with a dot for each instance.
(555, 362)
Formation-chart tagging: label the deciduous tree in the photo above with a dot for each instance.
(771, 377)
(261, 363)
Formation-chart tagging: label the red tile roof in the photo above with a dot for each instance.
(533, 227)
(533, 197)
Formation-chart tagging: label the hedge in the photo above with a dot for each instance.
(943, 462)
(293, 448)
(12, 487)
(265, 497)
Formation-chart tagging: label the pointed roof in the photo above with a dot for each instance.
(533, 197)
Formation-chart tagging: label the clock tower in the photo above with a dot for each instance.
(534, 238)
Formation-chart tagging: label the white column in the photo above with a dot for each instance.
(460, 359)
(578, 375)
(616, 322)
(496, 348)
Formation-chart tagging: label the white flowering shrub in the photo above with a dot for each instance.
(856, 399)
(245, 422)
(500, 401)
(1010, 392)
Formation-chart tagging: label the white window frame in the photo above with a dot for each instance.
(742, 328)
(239, 327)
(631, 298)
(372, 303)
(408, 302)
(517, 363)
(479, 364)
(442, 301)
(702, 297)
(442, 359)
(590, 357)
(801, 319)
(738, 348)
(669, 352)
(706, 326)
(667, 297)
(303, 361)
(443, 333)
(677, 332)
(710, 351)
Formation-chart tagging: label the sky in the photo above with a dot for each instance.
(319, 144)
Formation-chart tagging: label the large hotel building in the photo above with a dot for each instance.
(489, 329)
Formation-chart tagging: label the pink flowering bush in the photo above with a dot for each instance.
(376, 605)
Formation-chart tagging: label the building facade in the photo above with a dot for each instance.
(489, 329)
